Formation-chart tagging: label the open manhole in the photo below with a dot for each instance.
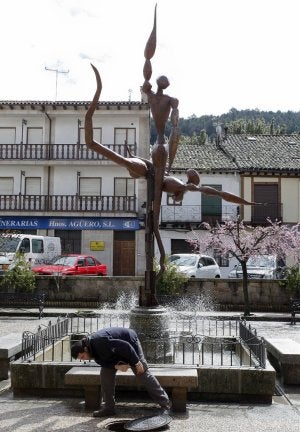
(150, 423)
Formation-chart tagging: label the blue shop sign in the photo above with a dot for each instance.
(64, 223)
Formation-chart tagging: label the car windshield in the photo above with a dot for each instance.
(65, 261)
(188, 260)
(9, 244)
(262, 261)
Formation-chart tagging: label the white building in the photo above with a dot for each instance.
(51, 184)
(217, 170)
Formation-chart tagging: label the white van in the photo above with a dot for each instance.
(36, 248)
(261, 267)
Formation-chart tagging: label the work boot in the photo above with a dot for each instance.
(104, 412)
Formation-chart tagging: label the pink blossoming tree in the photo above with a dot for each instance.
(236, 239)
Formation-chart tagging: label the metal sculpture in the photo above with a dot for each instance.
(157, 170)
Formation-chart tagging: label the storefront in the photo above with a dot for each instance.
(111, 240)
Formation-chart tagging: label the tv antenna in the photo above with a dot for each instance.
(57, 71)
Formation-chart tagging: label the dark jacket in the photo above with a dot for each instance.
(113, 345)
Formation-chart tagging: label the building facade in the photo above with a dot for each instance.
(52, 184)
(264, 169)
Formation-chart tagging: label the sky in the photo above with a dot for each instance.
(217, 54)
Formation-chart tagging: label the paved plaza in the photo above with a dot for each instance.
(32, 413)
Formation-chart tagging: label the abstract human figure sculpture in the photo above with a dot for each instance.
(164, 150)
(155, 171)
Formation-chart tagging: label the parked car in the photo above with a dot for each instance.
(195, 265)
(72, 265)
(261, 267)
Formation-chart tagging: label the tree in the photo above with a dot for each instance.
(236, 239)
(172, 281)
(20, 277)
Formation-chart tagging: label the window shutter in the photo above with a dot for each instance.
(6, 185)
(90, 186)
(32, 186)
(34, 135)
(7, 135)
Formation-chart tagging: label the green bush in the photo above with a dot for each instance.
(292, 281)
(20, 278)
(171, 281)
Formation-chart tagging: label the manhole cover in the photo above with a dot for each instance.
(117, 426)
(148, 423)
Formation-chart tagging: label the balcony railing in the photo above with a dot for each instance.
(197, 213)
(67, 203)
(58, 151)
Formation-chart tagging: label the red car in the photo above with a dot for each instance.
(72, 265)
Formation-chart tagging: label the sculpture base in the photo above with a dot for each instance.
(152, 326)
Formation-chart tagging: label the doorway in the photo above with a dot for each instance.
(124, 253)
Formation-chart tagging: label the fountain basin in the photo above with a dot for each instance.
(43, 372)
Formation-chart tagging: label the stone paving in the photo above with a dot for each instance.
(31, 413)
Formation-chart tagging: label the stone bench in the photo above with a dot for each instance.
(284, 354)
(10, 347)
(178, 380)
(20, 300)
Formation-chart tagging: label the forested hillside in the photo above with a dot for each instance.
(243, 121)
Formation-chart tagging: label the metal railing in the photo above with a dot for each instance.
(33, 343)
(67, 203)
(59, 151)
(179, 324)
(255, 343)
(194, 341)
(197, 213)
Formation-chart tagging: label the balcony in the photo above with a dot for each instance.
(59, 151)
(67, 203)
(196, 214)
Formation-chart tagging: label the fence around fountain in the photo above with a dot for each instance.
(228, 355)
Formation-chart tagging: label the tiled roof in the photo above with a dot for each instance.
(264, 152)
(71, 104)
(205, 157)
(259, 153)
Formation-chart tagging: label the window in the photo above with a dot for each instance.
(125, 134)
(90, 261)
(171, 201)
(97, 133)
(124, 186)
(211, 206)
(90, 186)
(6, 185)
(206, 261)
(7, 135)
(37, 246)
(33, 186)
(34, 135)
(25, 245)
